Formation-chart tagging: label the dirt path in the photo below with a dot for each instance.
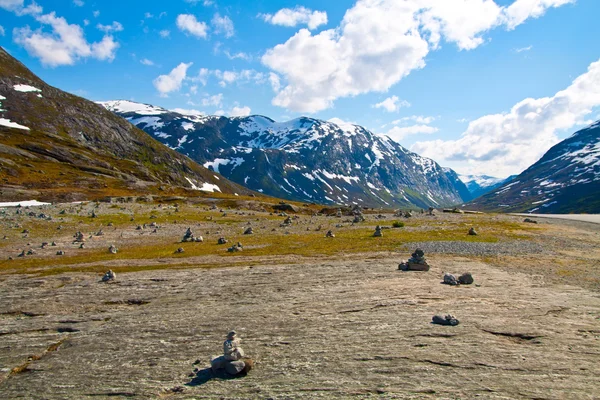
(593, 218)
(345, 328)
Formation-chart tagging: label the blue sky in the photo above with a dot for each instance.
(481, 86)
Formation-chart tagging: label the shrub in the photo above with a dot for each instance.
(398, 224)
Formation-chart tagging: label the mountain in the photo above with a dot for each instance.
(460, 186)
(478, 185)
(565, 180)
(55, 145)
(305, 159)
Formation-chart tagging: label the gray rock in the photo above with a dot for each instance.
(472, 232)
(329, 234)
(112, 249)
(466, 279)
(222, 240)
(450, 279)
(234, 367)
(447, 320)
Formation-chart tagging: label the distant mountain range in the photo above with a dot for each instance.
(478, 185)
(57, 146)
(304, 159)
(565, 180)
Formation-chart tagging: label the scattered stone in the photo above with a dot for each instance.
(222, 240)
(329, 234)
(465, 279)
(44, 245)
(60, 253)
(248, 231)
(472, 232)
(109, 224)
(430, 211)
(82, 246)
(113, 249)
(94, 214)
(529, 220)
(447, 320)
(417, 262)
(30, 252)
(109, 276)
(450, 279)
(235, 248)
(378, 231)
(53, 244)
(180, 250)
(79, 237)
(139, 228)
(100, 233)
(22, 254)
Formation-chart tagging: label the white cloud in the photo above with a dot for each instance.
(240, 111)
(379, 42)
(96, 13)
(298, 15)
(166, 84)
(114, 27)
(223, 25)
(78, 3)
(148, 15)
(2, 33)
(418, 119)
(240, 55)
(392, 104)
(65, 45)
(274, 81)
(188, 23)
(86, 22)
(216, 100)
(505, 144)
(522, 49)
(11, 5)
(202, 76)
(145, 61)
(398, 133)
(245, 75)
(18, 7)
(164, 33)
(520, 10)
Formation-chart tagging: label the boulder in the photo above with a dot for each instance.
(472, 232)
(446, 320)
(450, 279)
(465, 279)
(285, 207)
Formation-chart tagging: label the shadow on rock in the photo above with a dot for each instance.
(207, 374)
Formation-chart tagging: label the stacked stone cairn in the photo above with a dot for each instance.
(233, 360)
(416, 262)
(378, 232)
(78, 237)
(109, 276)
(189, 237)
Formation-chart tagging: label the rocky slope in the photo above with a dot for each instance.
(304, 159)
(565, 180)
(54, 145)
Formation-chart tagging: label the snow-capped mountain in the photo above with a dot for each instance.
(478, 185)
(565, 180)
(304, 159)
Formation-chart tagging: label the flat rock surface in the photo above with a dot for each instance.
(340, 327)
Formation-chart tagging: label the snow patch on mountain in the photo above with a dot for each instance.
(126, 106)
(8, 123)
(26, 88)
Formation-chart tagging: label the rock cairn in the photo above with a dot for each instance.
(416, 262)
(222, 240)
(189, 237)
(79, 237)
(236, 247)
(378, 232)
(109, 276)
(233, 360)
(249, 231)
(472, 232)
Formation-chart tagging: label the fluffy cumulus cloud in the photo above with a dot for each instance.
(392, 104)
(65, 45)
(2, 33)
(189, 24)
(398, 133)
(223, 25)
(505, 144)
(379, 42)
(171, 82)
(19, 8)
(296, 16)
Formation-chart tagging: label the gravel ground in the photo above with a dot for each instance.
(480, 249)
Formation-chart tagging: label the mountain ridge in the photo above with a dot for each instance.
(305, 159)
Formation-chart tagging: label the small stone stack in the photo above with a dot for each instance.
(472, 232)
(189, 237)
(416, 262)
(378, 232)
(79, 237)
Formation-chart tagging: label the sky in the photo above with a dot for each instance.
(480, 86)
